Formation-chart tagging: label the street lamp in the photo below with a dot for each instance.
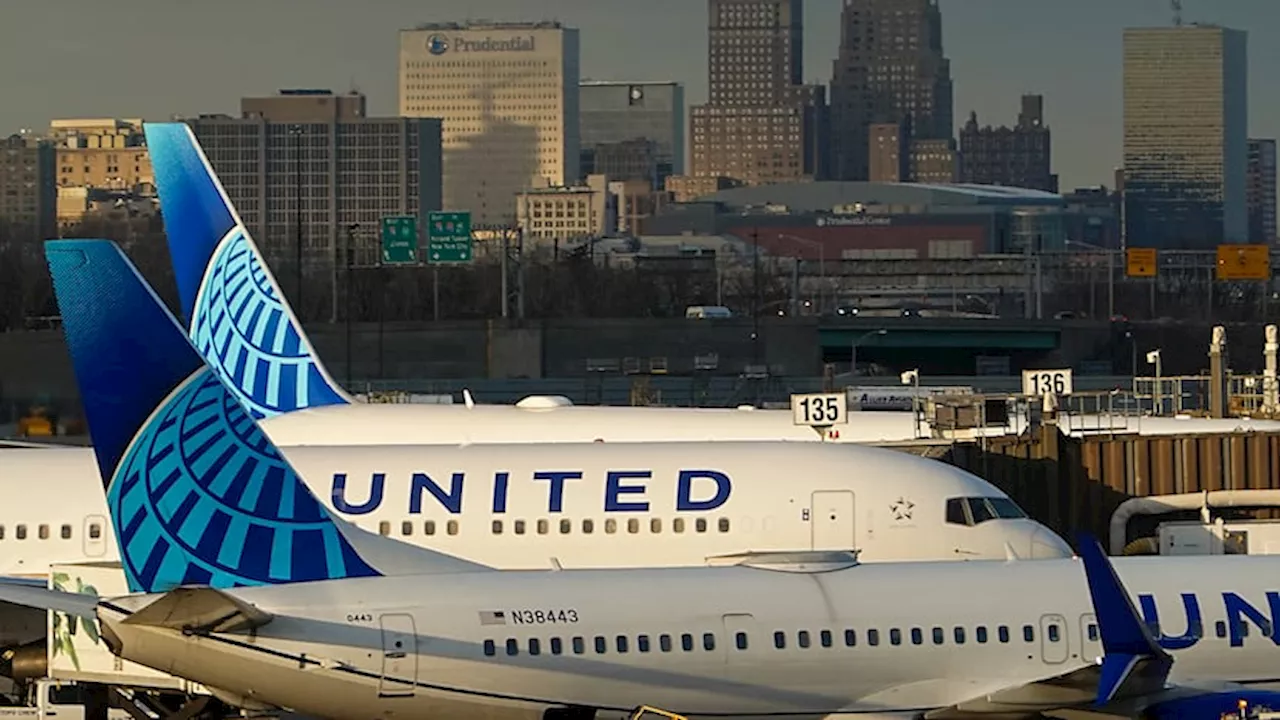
(1157, 403)
(853, 349)
(912, 378)
(296, 132)
(822, 265)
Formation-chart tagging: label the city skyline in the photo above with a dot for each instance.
(1070, 54)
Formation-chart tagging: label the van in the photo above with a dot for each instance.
(707, 312)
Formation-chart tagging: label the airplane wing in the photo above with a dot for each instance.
(22, 591)
(200, 610)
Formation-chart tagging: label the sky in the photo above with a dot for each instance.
(156, 58)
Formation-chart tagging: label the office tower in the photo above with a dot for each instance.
(621, 120)
(1185, 136)
(1262, 191)
(1017, 156)
(762, 124)
(27, 186)
(507, 94)
(889, 69)
(346, 171)
(890, 154)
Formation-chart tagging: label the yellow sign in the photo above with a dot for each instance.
(1244, 262)
(1140, 262)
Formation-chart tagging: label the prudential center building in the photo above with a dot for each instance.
(507, 94)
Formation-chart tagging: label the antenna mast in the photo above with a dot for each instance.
(1177, 12)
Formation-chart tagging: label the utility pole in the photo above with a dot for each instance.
(755, 298)
(296, 132)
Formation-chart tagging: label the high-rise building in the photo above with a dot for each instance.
(890, 158)
(507, 94)
(27, 186)
(102, 153)
(1017, 156)
(762, 124)
(612, 114)
(1185, 136)
(890, 69)
(345, 172)
(1262, 191)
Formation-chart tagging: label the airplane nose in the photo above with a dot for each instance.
(1046, 545)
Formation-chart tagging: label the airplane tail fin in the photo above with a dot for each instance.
(198, 494)
(237, 317)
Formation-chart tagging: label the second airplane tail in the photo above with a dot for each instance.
(237, 316)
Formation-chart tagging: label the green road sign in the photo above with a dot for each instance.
(399, 239)
(449, 237)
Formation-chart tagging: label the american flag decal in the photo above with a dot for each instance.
(493, 617)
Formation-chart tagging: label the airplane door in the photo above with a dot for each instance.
(1054, 645)
(739, 638)
(831, 515)
(399, 655)
(94, 535)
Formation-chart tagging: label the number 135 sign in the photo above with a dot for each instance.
(1042, 382)
(820, 410)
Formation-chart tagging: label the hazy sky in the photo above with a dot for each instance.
(153, 58)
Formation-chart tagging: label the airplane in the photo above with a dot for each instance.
(235, 606)
(241, 322)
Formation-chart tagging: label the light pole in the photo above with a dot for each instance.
(853, 349)
(351, 232)
(822, 266)
(296, 132)
(1157, 403)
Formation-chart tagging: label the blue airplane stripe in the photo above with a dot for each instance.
(256, 317)
(287, 498)
(239, 296)
(309, 560)
(220, 484)
(167, 422)
(307, 509)
(208, 432)
(267, 325)
(292, 342)
(133, 521)
(261, 378)
(240, 367)
(197, 575)
(161, 454)
(248, 498)
(348, 562)
(301, 392)
(275, 375)
(152, 547)
(267, 503)
(159, 495)
(232, 548)
(281, 565)
(211, 463)
(179, 520)
(255, 554)
(196, 522)
(243, 478)
(282, 329)
(215, 533)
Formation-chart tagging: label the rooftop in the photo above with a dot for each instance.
(489, 25)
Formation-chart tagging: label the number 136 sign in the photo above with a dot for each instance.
(1046, 382)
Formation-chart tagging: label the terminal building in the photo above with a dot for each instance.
(507, 94)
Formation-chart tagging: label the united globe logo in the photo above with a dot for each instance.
(437, 44)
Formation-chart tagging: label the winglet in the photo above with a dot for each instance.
(236, 313)
(1127, 642)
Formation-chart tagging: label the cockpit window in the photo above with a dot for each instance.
(976, 510)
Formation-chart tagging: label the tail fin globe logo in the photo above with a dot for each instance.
(437, 44)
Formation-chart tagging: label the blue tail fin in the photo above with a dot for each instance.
(197, 493)
(237, 316)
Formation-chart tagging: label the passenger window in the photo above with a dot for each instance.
(406, 528)
(535, 647)
(611, 526)
(1093, 632)
(601, 646)
(917, 636)
(1028, 633)
(850, 638)
(384, 528)
(512, 646)
(556, 646)
(566, 526)
(724, 525)
(873, 637)
(980, 634)
(1220, 628)
(452, 527)
(642, 643)
(686, 642)
(519, 527)
(780, 640)
(802, 638)
(825, 638)
(664, 642)
(959, 634)
(44, 532)
(1003, 633)
(489, 648)
(429, 527)
(21, 532)
(622, 643)
(655, 526)
(938, 636)
(588, 527)
(1053, 633)
(700, 525)
(633, 526)
(66, 532)
(677, 525)
(497, 527)
(895, 637)
(955, 512)
(543, 527)
(579, 645)
(741, 640)
(708, 642)
(95, 531)
(1, 532)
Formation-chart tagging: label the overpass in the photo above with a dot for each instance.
(941, 345)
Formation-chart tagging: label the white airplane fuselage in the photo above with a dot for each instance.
(886, 638)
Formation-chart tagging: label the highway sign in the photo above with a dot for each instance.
(820, 409)
(399, 239)
(1244, 262)
(1046, 382)
(1140, 262)
(449, 237)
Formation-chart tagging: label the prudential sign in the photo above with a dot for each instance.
(441, 44)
